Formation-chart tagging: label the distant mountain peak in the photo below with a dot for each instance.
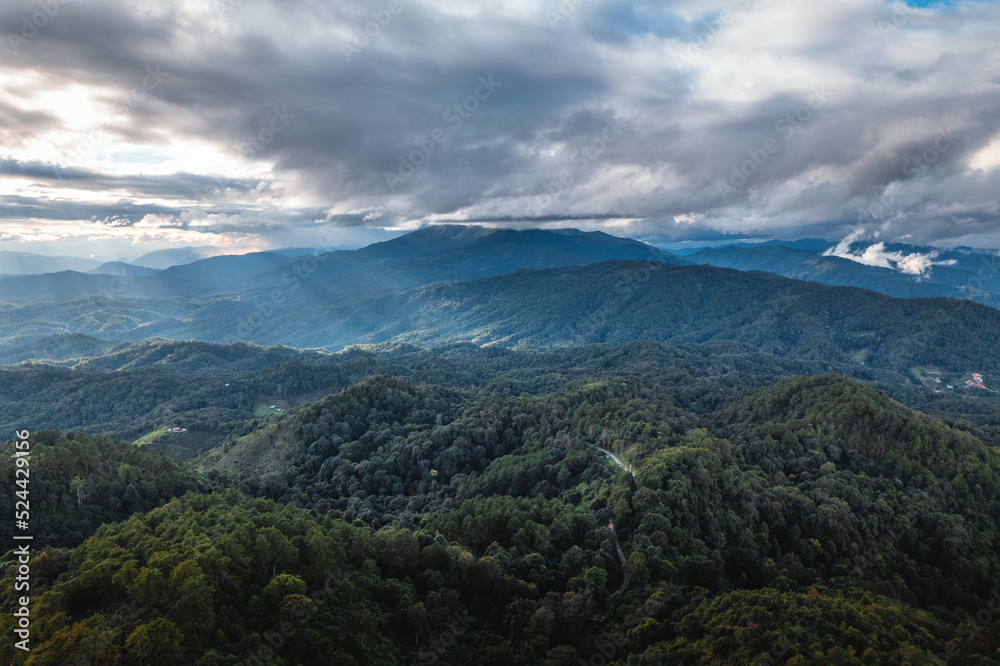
(122, 268)
(177, 256)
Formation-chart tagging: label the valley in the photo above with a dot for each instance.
(677, 460)
(422, 333)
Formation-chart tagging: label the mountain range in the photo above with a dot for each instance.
(28, 263)
(454, 253)
(522, 289)
(551, 435)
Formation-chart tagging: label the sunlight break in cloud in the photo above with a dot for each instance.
(254, 117)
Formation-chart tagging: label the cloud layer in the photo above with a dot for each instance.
(911, 263)
(262, 123)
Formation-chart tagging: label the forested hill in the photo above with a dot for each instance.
(210, 390)
(957, 273)
(806, 264)
(90, 480)
(617, 302)
(822, 441)
(612, 302)
(630, 462)
(401, 522)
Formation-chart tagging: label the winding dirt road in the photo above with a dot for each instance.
(617, 460)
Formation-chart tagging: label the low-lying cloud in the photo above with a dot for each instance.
(913, 263)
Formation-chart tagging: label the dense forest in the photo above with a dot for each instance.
(459, 507)
(88, 480)
(211, 389)
(631, 462)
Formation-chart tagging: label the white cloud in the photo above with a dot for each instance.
(986, 158)
(914, 263)
(685, 125)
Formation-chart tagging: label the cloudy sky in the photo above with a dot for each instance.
(133, 125)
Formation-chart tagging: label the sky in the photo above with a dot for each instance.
(253, 124)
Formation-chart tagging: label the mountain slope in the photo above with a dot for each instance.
(121, 268)
(617, 301)
(466, 253)
(814, 519)
(444, 253)
(613, 302)
(62, 347)
(27, 263)
(971, 275)
(161, 259)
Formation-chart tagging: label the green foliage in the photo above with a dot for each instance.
(79, 481)
(156, 642)
(220, 572)
(212, 390)
(769, 626)
(613, 302)
(814, 520)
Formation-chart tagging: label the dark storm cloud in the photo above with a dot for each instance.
(173, 186)
(14, 122)
(396, 126)
(127, 213)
